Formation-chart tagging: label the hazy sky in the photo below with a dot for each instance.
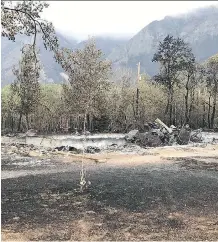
(113, 18)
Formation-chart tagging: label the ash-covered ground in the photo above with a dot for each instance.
(163, 193)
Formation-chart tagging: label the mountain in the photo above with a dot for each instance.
(10, 53)
(106, 44)
(198, 28)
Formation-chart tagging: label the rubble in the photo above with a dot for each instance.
(62, 148)
(149, 139)
(89, 149)
(163, 125)
(163, 135)
(184, 135)
(158, 134)
(215, 141)
(69, 148)
(132, 135)
(128, 148)
(92, 150)
(197, 136)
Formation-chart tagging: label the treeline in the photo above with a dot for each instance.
(95, 98)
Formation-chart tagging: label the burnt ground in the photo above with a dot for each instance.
(175, 199)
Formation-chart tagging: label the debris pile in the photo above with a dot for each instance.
(92, 150)
(88, 149)
(24, 150)
(197, 136)
(160, 134)
(68, 148)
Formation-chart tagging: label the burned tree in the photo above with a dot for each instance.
(212, 85)
(190, 70)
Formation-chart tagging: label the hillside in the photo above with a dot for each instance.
(106, 44)
(10, 52)
(199, 29)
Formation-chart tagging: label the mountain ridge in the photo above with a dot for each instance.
(11, 54)
(199, 28)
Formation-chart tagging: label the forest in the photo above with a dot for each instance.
(183, 92)
(100, 98)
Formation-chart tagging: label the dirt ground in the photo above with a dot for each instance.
(160, 194)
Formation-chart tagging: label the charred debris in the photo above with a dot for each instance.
(159, 134)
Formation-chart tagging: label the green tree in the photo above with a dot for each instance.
(88, 78)
(8, 109)
(50, 108)
(26, 85)
(173, 55)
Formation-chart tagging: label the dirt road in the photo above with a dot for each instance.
(159, 194)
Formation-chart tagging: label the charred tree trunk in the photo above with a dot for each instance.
(167, 107)
(137, 104)
(204, 115)
(19, 123)
(88, 122)
(2, 122)
(171, 106)
(187, 119)
(191, 106)
(174, 114)
(27, 122)
(213, 115)
(84, 123)
(208, 114)
(12, 123)
(214, 106)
